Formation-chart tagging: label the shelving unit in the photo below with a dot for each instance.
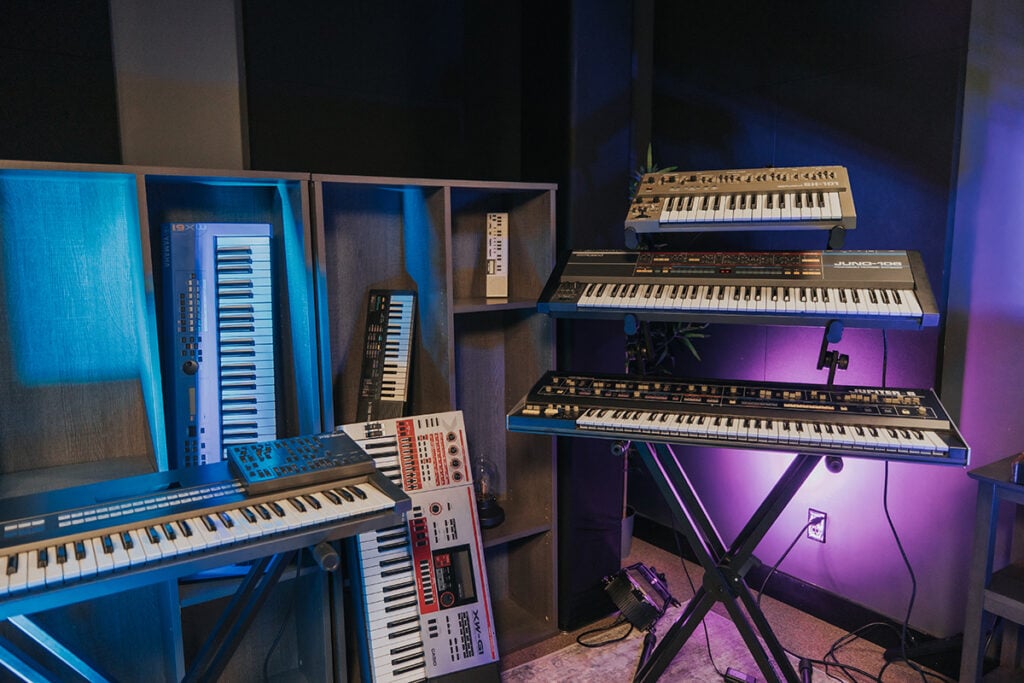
(471, 353)
(992, 590)
(83, 387)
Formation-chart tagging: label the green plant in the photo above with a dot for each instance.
(652, 347)
(649, 167)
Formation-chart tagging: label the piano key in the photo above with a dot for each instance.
(17, 571)
(37, 564)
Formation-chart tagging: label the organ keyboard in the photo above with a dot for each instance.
(219, 323)
(387, 348)
(811, 197)
(78, 543)
(893, 424)
(424, 603)
(860, 288)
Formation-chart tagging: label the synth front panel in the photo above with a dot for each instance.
(795, 198)
(860, 288)
(424, 604)
(868, 422)
(219, 338)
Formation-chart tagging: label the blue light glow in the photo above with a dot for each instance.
(298, 277)
(80, 304)
(431, 282)
(72, 275)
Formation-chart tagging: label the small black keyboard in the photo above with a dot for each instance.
(297, 461)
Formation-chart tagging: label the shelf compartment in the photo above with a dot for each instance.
(283, 203)
(523, 602)
(498, 357)
(530, 210)
(78, 340)
(384, 236)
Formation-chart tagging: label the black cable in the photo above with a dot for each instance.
(693, 591)
(885, 358)
(910, 571)
(771, 572)
(604, 629)
(811, 522)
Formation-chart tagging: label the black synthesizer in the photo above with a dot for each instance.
(868, 422)
(860, 288)
(83, 542)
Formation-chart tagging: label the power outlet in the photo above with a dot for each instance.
(816, 531)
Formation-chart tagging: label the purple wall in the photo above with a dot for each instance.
(878, 92)
(983, 375)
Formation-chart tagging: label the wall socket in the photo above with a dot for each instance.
(816, 532)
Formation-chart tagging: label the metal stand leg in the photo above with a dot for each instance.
(724, 568)
(246, 603)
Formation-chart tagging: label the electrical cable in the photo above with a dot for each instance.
(771, 572)
(913, 580)
(693, 591)
(604, 629)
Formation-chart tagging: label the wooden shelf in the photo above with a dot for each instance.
(470, 352)
(995, 591)
(86, 402)
(86, 399)
(486, 305)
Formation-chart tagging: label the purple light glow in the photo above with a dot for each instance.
(860, 560)
(993, 377)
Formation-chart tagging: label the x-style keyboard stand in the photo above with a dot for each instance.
(724, 567)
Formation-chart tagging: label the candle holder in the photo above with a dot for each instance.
(485, 484)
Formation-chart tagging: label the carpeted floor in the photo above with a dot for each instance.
(618, 661)
(563, 659)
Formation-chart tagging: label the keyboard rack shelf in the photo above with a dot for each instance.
(87, 404)
(471, 352)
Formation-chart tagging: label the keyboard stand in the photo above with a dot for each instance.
(234, 621)
(724, 568)
(208, 664)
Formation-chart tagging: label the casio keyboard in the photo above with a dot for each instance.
(83, 542)
(892, 424)
(387, 348)
(795, 198)
(424, 604)
(219, 323)
(860, 288)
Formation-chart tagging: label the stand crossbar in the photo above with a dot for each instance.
(234, 621)
(724, 567)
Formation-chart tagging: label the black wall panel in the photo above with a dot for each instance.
(59, 96)
(425, 89)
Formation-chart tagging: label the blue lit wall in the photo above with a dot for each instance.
(73, 276)
(77, 357)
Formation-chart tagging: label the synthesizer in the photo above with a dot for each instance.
(83, 542)
(218, 320)
(296, 461)
(868, 422)
(795, 198)
(424, 604)
(861, 288)
(387, 349)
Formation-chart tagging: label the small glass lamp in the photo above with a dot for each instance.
(485, 483)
